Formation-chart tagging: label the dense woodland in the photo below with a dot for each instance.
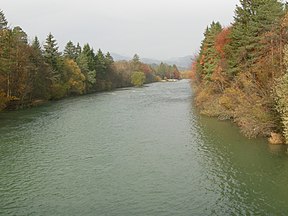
(31, 74)
(241, 72)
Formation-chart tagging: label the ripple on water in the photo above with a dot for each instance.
(135, 151)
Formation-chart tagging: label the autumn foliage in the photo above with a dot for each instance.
(30, 72)
(239, 69)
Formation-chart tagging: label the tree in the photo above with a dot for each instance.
(3, 21)
(252, 19)
(281, 99)
(101, 65)
(36, 44)
(176, 73)
(70, 51)
(109, 59)
(20, 35)
(138, 79)
(90, 75)
(136, 62)
(209, 56)
(90, 55)
(76, 78)
(78, 50)
(51, 53)
(161, 70)
(136, 59)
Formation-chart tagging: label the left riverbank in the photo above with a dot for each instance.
(31, 74)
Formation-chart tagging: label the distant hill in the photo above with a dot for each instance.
(182, 63)
(118, 57)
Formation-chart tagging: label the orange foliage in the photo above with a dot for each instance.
(146, 69)
(221, 40)
(194, 71)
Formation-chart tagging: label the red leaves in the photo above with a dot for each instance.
(221, 40)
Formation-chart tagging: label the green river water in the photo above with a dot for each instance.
(136, 151)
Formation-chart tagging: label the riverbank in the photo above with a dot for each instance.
(32, 73)
(252, 118)
(241, 75)
(16, 104)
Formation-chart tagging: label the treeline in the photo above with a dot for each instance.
(30, 73)
(241, 70)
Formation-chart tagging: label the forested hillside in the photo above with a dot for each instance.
(31, 74)
(241, 70)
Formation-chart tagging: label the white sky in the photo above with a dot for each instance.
(151, 28)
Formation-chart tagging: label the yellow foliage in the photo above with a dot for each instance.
(3, 100)
(244, 102)
(158, 78)
(138, 79)
(76, 81)
(186, 74)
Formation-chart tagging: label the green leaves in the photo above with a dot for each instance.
(252, 20)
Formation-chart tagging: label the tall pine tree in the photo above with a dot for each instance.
(252, 19)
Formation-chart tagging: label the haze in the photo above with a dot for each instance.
(154, 29)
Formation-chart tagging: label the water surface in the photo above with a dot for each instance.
(135, 151)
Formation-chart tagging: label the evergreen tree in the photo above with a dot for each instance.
(209, 56)
(78, 50)
(40, 89)
(51, 53)
(109, 59)
(101, 66)
(136, 59)
(3, 21)
(70, 51)
(36, 44)
(109, 62)
(252, 20)
(136, 64)
(86, 63)
(89, 53)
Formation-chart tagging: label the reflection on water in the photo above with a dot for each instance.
(136, 151)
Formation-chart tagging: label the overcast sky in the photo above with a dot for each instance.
(151, 28)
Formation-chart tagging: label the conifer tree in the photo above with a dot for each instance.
(70, 51)
(51, 53)
(86, 62)
(89, 53)
(109, 59)
(78, 50)
(36, 44)
(3, 21)
(101, 67)
(209, 56)
(252, 20)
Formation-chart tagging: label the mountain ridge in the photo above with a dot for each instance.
(183, 63)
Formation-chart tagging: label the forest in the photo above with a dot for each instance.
(31, 74)
(240, 72)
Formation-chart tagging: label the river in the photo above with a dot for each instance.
(135, 151)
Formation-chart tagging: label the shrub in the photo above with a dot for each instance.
(281, 91)
(138, 79)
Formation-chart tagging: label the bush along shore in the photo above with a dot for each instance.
(241, 72)
(31, 74)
